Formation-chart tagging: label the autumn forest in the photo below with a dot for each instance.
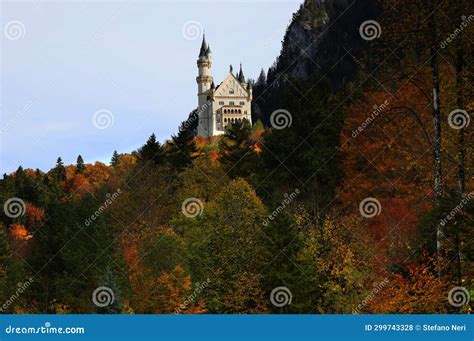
(352, 191)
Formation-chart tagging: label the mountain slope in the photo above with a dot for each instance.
(322, 43)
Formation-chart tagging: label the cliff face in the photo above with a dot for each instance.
(321, 42)
(320, 34)
(300, 43)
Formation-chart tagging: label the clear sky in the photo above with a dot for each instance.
(132, 64)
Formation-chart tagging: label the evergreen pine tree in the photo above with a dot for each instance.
(236, 149)
(59, 172)
(80, 166)
(261, 80)
(152, 150)
(38, 175)
(192, 123)
(20, 171)
(114, 162)
(24, 185)
(182, 149)
(19, 177)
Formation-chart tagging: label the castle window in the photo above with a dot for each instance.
(231, 103)
(225, 119)
(225, 111)
(240, 111)
(242, 103)
(231, 91)
(221, 103)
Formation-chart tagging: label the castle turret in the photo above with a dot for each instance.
(204, 78)
(240, 75)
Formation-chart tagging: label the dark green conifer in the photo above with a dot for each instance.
(114, 162)
(182, 149)
(80, 166)
(152, 150)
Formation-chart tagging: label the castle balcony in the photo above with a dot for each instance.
(231, 113)
(232, 110)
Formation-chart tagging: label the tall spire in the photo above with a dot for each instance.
(204, 47)
(241, 75)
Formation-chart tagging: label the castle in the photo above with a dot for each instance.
(220, 106)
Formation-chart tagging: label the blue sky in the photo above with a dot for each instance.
(132, 61)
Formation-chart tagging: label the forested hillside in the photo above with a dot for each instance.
(351, 193)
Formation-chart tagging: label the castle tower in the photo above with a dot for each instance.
(204, 78)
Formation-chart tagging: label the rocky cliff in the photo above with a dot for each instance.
(322, 42)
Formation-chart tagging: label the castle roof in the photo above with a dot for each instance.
(204, 48)
(230, 75)
(240, 75)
